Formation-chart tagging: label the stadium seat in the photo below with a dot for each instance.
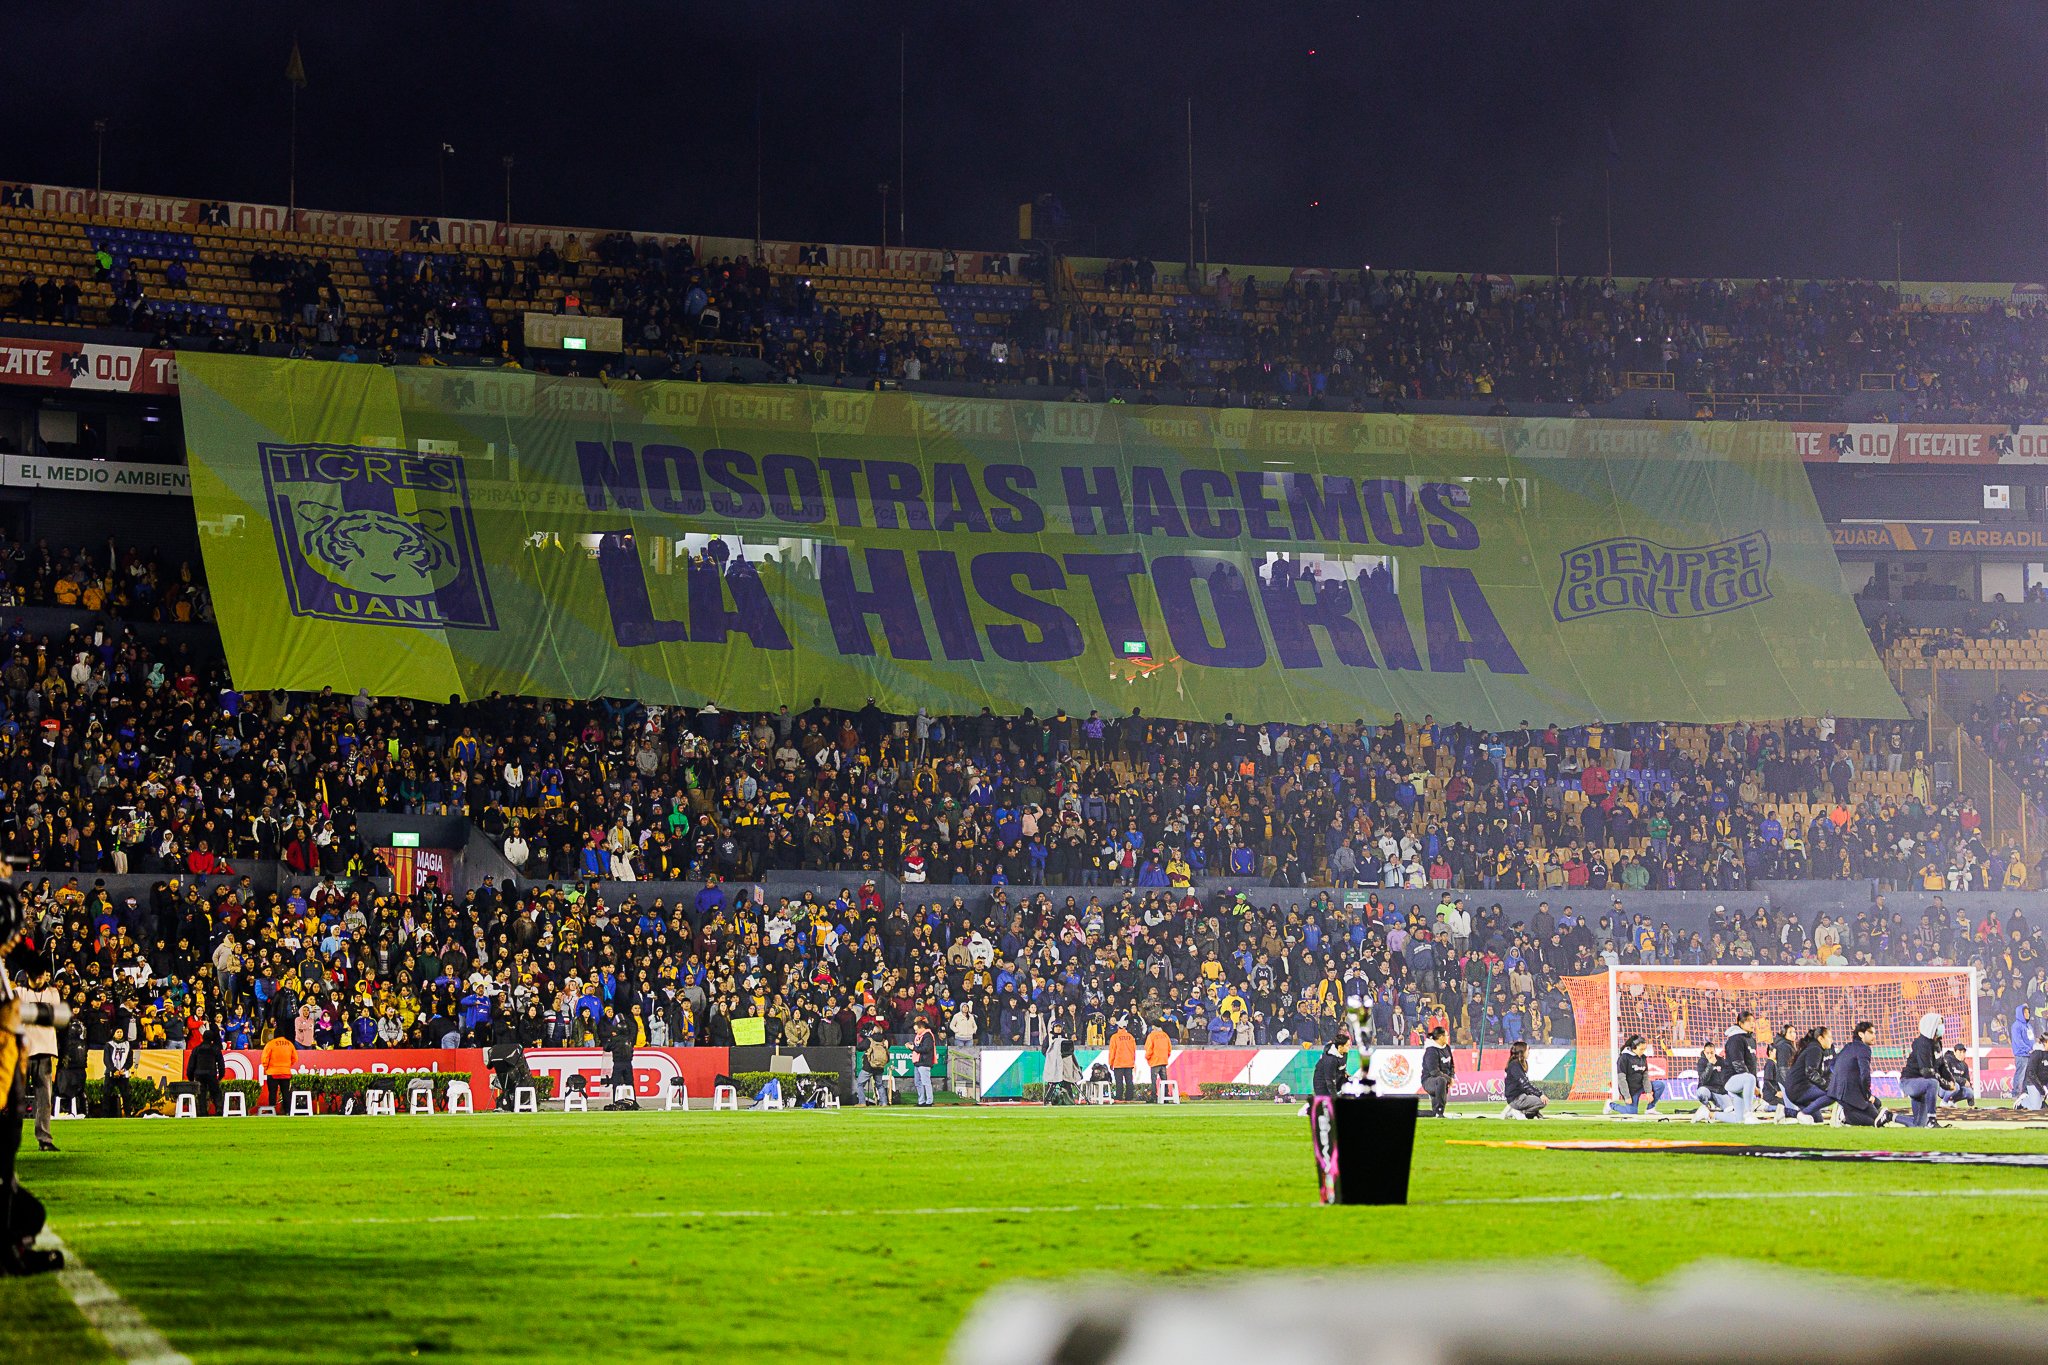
(302, 1104)
(526, 1100)
(234, 1105)
(460, 1101)
(725, 1097)
(678, 1096)
(188, 1106)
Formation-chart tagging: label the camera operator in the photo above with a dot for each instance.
(21, 1213)
(205, 1065)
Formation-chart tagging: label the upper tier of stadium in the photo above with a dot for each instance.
(192, 271)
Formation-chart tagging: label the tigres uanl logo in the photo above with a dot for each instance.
(380, 537)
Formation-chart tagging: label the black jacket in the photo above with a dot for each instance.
(1329, 1073)
(1808, 1078)
(1923, 1061)
(1635, 1075)
(1438, 1061)
(2037, 1069)
(206, 1064)
(1517, 1082)
(1740, 1053)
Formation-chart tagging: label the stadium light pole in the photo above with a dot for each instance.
(99, 160)
(883, 190)
(1204, 207)
(1556, 247)
(1898, 263)
(507, 162)
(441, 164)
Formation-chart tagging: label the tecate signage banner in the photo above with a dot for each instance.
(51, 364)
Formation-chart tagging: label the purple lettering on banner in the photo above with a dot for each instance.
(1391, 509)
(1152, 506)
(1455, 530)
(625, 590)
(1116, 606)
(1389, 623)
(947, 597)
(733, 496)
(1020, 514)
(1326, 508)
(890, 597)
(893, 484)
(1085, 500)
(1459, 623)
(1255, 490)
(839, 472)
(1242, 645)
(673, 483)
(955, 504)
(794, 491)
(609, 470)
(1328, 610)
(995, 578)
(1196, 485)
(751, 613)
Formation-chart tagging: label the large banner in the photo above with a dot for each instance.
(1005, 1071)
(432, 533)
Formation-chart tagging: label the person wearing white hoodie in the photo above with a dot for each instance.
(1738, 1059)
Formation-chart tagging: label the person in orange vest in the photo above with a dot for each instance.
(1123, 1061)
(1158, 1052)
(280, 1057)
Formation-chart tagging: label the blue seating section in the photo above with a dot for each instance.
(145, 244)
(962, 302)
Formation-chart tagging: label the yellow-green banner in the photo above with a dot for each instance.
(436, 532)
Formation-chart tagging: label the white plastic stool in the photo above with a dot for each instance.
(188, 1107)
(460, 1101)
(234, 1105)
(574, 1103)
(526, 1100)
(1099, 1092)
(420, 1100)
(380, 1103)
(1169, 1092)
(831, 1101)
(725, 1097)
(678, 1096)
(770, 1101)
(302, 1104)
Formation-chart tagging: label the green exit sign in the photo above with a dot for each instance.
(399, 840)
(575, 343)
(1135, 647)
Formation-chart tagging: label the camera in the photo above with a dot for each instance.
(37, 1014)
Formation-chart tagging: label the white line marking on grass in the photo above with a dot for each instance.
(1679, 1196)
(120, 1324)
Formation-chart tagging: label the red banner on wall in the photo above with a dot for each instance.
(87, 365)
(653, 1067)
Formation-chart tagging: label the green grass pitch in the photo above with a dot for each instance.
(863, 1235)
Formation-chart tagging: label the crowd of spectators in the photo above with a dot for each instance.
(1364, 339)
(1236, 881)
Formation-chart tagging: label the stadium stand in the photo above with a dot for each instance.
(1236, 883)
(1364, 338)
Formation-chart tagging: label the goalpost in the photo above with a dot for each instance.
(1682, 1009)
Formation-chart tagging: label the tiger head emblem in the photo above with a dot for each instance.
(378, 552)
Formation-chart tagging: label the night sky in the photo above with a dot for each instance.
(1775, 138)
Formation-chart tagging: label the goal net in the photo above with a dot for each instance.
(1679, 1010)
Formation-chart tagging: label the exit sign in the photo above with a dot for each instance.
(399, 840)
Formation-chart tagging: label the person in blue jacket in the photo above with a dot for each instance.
(2022, 1048)
(1849, 1085)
